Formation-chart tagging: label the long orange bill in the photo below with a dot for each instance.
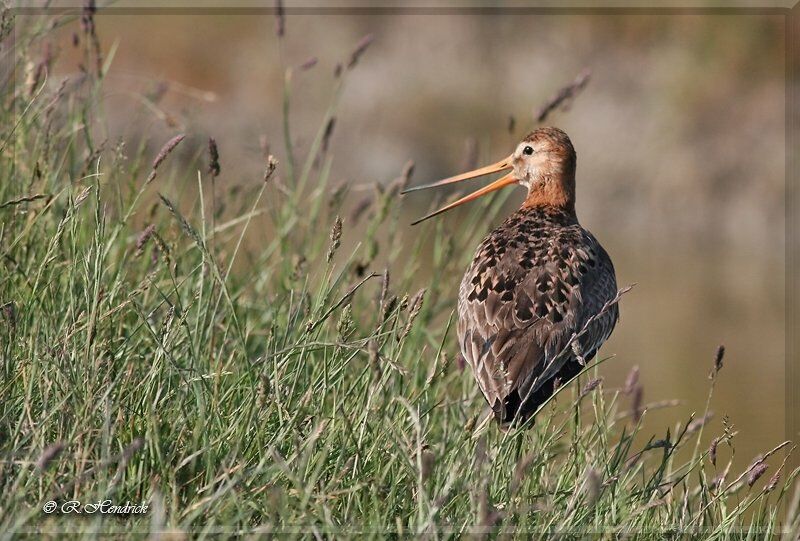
(489, 169)
(496, 185)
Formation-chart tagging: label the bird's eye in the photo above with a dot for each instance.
(528, 150)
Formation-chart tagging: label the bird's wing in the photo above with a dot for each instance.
(519, 309)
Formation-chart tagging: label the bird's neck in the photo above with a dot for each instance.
(554, 192)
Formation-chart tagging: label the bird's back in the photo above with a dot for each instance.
(535, 281)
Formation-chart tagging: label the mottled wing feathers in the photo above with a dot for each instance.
(534, 282)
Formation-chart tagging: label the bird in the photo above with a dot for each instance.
(540, 296)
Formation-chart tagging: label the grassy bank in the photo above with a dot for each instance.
(254, 357)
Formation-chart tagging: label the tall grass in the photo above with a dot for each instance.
(272, 368)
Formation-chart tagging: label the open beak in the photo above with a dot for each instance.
(502, 165)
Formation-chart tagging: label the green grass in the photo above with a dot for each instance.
(265, 368)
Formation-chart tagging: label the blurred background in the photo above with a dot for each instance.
(679, 135)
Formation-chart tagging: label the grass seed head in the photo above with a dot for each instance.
(636, 407)
(361, 207)
(718, 481)
(471, 423)
(328, 133)
(399, 184)
(309, 63)
(756, 473)
(168, 147)
(90, 30)
(87, 16)
(346, 325)
(521, 470)
(165, 151)
(336, 238)
(49, 454)
(632, 380)
(590, 386)
(9, 311)
(280, 19)
(697, 424)
(592, 484)
(660, 444)
(161, 248)
(374, 358)
(415, 305)
(144, 236)
(408, 171)
(403, 304)
(445, 362)
(385, 278)
(263, 390)
(773, 481)
(134, 447)
(83, 196)
(213, 157)
(712, 451)
(40, 70)
(389, 307)
(428, 461)
(272, 163)
(564, 97)
(717, 361)
(361, 47)
(488, 514)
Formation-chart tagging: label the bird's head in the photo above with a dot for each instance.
(543, 162)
